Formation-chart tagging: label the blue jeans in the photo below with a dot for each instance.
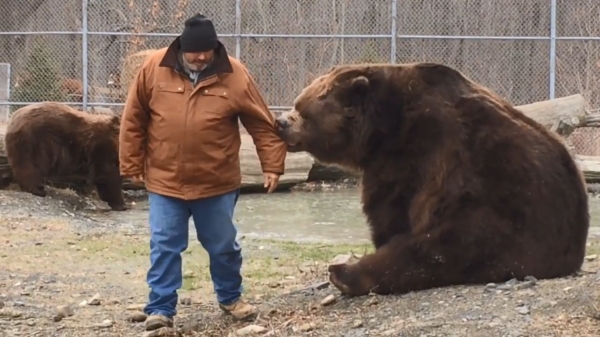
(169, 234)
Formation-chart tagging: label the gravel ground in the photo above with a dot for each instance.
(66, 272)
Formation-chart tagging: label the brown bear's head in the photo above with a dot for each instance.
(346, 115)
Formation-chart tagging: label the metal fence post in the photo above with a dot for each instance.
(394, 32)
(552, 48)
(238, 28)
(84, 52)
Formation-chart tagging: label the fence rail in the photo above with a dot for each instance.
(69, 50)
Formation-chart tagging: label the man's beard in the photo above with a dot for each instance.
(197, 67)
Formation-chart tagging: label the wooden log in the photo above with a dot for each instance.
(561, 115)
(297, 168)
(590, 166)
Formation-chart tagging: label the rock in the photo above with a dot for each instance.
(136, 317)
(530, 279)
(525, 285)
(83, 303)
(490, 286)
(591, 257)
(107, 323)
(523, 310)
(8, 313)
(512, 282)
(357, 324)
(185, 301)
(250, 329)
(304, 327)
(57, 318)
(1, 304)
(64, 311)
(136, 307)
(345, 259)
(162, 332)
(189, 274)
(190, 327)
(328, 300)
(95, 300)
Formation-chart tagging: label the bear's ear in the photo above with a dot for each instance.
(359, 82)
(358, 85)
(353, 90)
(115, 120)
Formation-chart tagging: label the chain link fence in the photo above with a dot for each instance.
(78, 51)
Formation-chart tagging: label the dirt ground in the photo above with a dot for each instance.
(69, 273)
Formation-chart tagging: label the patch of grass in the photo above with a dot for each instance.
(593, 248)
(269, 265)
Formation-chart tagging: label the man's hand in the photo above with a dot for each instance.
(137, 179)
(271, 181)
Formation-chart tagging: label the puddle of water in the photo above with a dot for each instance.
(332, 216)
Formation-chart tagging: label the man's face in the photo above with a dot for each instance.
(199, 61)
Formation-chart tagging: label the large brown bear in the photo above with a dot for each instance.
(459, 187)
(48, 140)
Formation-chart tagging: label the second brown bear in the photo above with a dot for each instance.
(53, 140)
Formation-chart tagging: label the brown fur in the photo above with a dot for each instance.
(459, 187)
(48, 139)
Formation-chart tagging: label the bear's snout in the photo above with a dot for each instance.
(282, 123)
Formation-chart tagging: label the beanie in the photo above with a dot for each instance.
(198, 35)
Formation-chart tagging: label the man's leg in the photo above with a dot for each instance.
(213, 218)
(169, 218)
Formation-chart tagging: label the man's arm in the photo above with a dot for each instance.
(132, 135)
(260, 123)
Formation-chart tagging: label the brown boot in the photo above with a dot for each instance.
(155, 322)
(240, 309)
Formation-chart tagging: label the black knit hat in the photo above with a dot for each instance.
(198, 35)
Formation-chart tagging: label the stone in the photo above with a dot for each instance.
(190, 327)
(250, 329)
(328, 300)
(64, 311)
(162, 332)
(525, 285)
(107, 323)
(304, 327)
(345, 259)
(591, 257)
(95, 300)
(136, 317)
(523, 310)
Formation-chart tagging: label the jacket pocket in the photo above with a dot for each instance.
(167, 98)
(168, 105)
(216, 100)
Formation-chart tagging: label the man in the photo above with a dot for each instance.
(180, 135)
